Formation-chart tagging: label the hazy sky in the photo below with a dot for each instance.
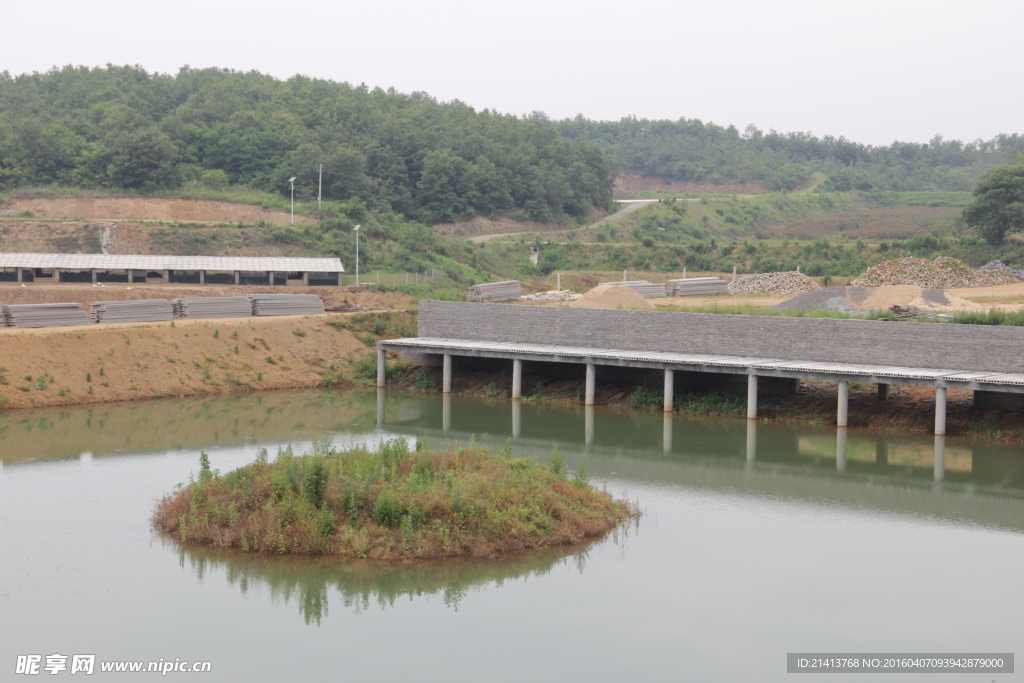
(872, 71)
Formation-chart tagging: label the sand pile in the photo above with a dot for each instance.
(942, 273)
(773, 283)
(851, 299)
(612, 296)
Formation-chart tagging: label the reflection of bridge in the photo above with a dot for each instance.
(751, 459)
(975, 357)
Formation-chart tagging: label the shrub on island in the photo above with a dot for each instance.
(390, 503)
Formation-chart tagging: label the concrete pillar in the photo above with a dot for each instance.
(238, 277)
(883, 392)
(666, 434)
(56, 274)
(21, 274)
(588, 425)
(517, 419)
(446, 375)
(670, 391)
(167, 276)
(588, 399)
(751, 441)
(844, 403)
(270, 277)
(305, 279)
(92, 271)
(840, 449)
(446, 412)
(751, 397)
(940, 411)
(380, 408)
(339, 278)
(940, 457)
(381, 368)
(517, 378)
(202, 277)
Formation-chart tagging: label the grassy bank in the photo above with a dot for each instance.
(389, 503)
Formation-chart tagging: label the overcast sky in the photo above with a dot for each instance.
(872, 71)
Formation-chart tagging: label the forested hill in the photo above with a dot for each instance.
(123, 128)
(691, 150)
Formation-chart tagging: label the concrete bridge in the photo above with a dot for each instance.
(988, 359)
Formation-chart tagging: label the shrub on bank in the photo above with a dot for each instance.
(389, 503)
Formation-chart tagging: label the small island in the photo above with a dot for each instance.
(390, 503)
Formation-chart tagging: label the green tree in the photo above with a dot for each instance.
(998, 204)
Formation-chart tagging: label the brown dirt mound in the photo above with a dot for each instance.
(612, 296)
(149, 209)
(942, 273)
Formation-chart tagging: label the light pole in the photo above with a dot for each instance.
(292, 181)
(356, 231)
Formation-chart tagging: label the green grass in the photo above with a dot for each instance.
(389, 503)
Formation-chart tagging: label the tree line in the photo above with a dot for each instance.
(123, 128)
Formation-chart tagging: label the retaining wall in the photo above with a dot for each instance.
(868, 342)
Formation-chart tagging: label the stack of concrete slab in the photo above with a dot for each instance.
(140, 311)
(212, 307)
(42, 315)
(286, 304)
(496, 291)
(697, 286)
(642, 287)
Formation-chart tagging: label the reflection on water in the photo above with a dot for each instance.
(361, 583)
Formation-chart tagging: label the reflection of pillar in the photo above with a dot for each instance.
(446, 374)
(841, 449)
(881, 452)
(883, 392)
(666, 433)
(751, 440)
(446, 412)
(517, 419)
(382, 368)
(380, 408)
(669, 390)
(844, 403)
(588, 400)
(940, 411)
(940, 457)
(588, 425)
(751, 396)
(517, 378)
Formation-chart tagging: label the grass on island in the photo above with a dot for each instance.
(390, 503)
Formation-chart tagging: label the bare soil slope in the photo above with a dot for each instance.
(148, 209)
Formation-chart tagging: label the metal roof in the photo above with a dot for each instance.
(127, 261)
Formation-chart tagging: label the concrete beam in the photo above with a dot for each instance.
(446, 374)
(670, 391)
(382, 368)
(843, 408)
(940, 411)
(517, 378)
(588, 399)
(751, 397)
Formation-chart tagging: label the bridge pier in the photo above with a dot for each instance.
(666, 434)
(844, 403)
(751, 397)
(840, 449)
(446, 412)
(588, 425)
(446, 374)
(517, 419)
(670, 391)
(517, 378)
(751, 441)
(940, 411)
(380, 408)
(940, 457)
(588, 399)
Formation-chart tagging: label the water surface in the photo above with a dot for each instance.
(754, 543)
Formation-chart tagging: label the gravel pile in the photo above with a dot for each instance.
(773, 283)
(831, 299)
(552, 295)
(942, 273)
(999, 265)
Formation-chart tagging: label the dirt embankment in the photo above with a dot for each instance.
(628, 184)
(148, 209)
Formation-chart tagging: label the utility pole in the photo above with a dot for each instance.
(356, 230)
(320, 189)
(292, 181)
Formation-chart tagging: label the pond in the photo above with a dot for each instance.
(756, 541)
